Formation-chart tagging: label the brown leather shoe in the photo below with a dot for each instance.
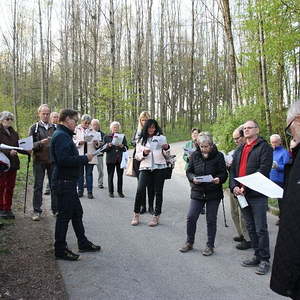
(208, 251)
(187, 247)
(154, 222)
(135, 220)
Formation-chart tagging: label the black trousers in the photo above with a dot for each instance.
(69, 208)
(156, 179)
(150, 191)
(110, 175)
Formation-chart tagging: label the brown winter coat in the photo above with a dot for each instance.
(10, 140)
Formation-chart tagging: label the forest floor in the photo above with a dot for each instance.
(28, 269)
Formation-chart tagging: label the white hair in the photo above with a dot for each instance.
(293, 112)
(114, 123)
(86, 117)
(42, 106)
(6, 114)
(95, 121)
(205, 138)
(275, 136)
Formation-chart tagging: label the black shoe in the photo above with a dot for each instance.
(101, 186)
(203, 211)
(243, 245)
(263, 268)
(252, 262)
(90, 196)
(67, 255)
(111, 195)
(121, 195)
(47, 192)
(238, 238)
(80, 194)
(143, 210)
(89, 247)
(151, 210)
(8, 215)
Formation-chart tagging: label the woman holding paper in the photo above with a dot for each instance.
(86, 144)
(206, 172)
(10, 137)
(144, 116)
(116, 146)
(151, 151)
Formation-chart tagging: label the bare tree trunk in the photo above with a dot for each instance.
(224, 4)
(42, 56)
(112, 57)
(14, 58)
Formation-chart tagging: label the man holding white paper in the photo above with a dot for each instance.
(253, 156)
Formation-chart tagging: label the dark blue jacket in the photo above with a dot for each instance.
(67, 161)
(281, 156)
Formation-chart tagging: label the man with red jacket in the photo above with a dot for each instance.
(253, 156)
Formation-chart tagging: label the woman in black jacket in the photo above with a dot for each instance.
(114, 153)
(206, 160)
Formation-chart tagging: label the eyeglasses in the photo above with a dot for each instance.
(249, 127)
(9, 119)
(287, 130)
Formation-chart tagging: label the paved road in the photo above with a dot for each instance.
(144, 263)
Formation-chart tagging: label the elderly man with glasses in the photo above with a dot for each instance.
(253, 156)
(285, 279)
(236, 213)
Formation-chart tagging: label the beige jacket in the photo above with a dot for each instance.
(146, 161)
(80, 134)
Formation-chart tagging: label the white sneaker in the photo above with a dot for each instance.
(36, 217)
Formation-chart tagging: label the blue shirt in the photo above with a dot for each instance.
(281, 156)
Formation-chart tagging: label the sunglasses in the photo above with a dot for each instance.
(8, 119)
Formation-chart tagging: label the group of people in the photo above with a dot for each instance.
(68, 151)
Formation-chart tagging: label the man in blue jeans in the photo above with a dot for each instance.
(255, 155)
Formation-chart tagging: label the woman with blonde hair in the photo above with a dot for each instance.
(143, 117)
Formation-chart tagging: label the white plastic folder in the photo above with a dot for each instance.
(260, 183)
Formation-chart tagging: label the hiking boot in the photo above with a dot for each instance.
(7, 214)
(89, 247)
(187, 247)
(263, 268)
(252, 262)
(101, 186)
(36, 216)
(154, 222)
(143, 210)
(90, 196)
(47, 192)
(121, 195)
(135, 220)
(238, 238)
(67, 255)
(208, 251)
(243, 245)
(111, 195)
(80, 194)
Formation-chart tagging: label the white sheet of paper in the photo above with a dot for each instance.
(242, 201)
(157, 142)
(205, 178)
(88, 138)
(97, 152)
(26, 143)
(117, 139)
(6, 147)
(260, 183)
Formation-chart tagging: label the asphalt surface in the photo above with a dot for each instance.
(144, 263)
